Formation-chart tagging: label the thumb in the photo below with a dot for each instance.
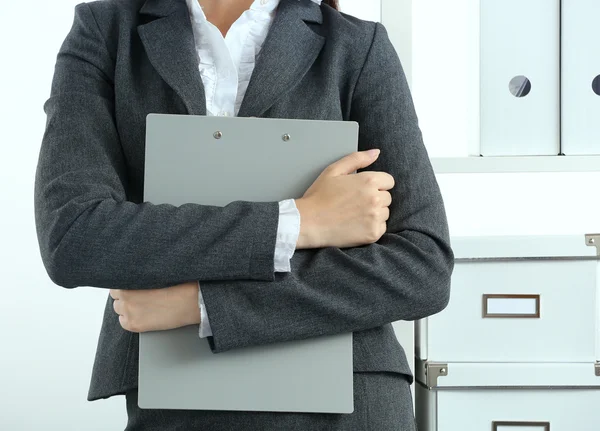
(353, 162)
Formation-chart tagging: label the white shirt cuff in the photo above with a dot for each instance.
(288, 230)
(205, 330)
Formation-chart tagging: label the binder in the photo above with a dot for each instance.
(520, 83)
(215, 161)
(580, 77)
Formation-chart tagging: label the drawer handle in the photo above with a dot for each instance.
(511, 306)
(535, 426)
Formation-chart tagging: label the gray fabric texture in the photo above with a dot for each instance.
(382, 402)
(124, 59)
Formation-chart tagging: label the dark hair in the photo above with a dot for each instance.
(333, 3)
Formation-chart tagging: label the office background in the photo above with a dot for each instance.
(49, 334)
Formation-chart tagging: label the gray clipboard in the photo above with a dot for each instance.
(246, 159)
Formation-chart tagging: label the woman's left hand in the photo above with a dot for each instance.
(157, 309)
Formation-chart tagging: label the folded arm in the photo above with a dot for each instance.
(89, 233)
(404, 276)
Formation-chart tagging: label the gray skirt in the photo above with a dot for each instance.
(382, 402)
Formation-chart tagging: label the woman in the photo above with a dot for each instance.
(368, 248)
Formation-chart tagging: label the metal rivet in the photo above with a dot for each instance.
(592, 241)
(443, 371)
(218, 135)
(286, 137)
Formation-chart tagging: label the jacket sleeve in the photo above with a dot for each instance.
(89, 234)
(404, 276)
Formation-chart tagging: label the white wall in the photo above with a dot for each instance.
(365, 9)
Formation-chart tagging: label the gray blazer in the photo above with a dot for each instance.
(124, 59)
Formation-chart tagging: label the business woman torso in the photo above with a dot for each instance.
(125, 59)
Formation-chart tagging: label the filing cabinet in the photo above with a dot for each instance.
(518, 345)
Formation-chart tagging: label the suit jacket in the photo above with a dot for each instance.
(124, 59)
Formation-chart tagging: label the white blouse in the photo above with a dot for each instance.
(226, 65)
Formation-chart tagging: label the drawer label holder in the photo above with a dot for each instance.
(504, 426)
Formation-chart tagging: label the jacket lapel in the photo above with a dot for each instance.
(170, 46)
(286, 56)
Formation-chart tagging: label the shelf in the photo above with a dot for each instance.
(489, 165)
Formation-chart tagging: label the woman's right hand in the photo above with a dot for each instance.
(343, 209)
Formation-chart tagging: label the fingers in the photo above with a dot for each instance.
(352, 162)
(118, 306)
(386, 198)
(385, 214)
(379, 180)
(126, 324)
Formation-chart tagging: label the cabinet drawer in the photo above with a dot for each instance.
(508, 410)
(508, 308)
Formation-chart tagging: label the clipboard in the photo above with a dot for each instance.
(215, 161)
